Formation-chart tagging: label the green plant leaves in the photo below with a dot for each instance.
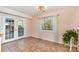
(68, 34)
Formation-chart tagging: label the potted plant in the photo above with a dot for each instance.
(68, 34)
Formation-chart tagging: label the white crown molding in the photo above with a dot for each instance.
(13, 12)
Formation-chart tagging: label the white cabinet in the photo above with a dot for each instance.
(13, 27)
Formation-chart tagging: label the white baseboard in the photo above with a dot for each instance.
(6, 41)
(48, 39)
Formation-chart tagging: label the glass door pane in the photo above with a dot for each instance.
(9, 28)
(20, 28)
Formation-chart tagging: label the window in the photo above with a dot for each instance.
(49, 23)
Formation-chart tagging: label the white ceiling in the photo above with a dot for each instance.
(31, 10)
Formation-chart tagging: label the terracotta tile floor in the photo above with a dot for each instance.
(33, 45)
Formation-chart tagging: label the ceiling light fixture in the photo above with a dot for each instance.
(41, 8)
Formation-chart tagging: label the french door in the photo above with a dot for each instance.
(13, 28)
(9, 28)
(20, 28)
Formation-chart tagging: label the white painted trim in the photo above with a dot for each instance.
(48, 40)
(13, 12)
(13, 39)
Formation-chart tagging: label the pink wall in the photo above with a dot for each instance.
(68, 18)
(28, 27)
